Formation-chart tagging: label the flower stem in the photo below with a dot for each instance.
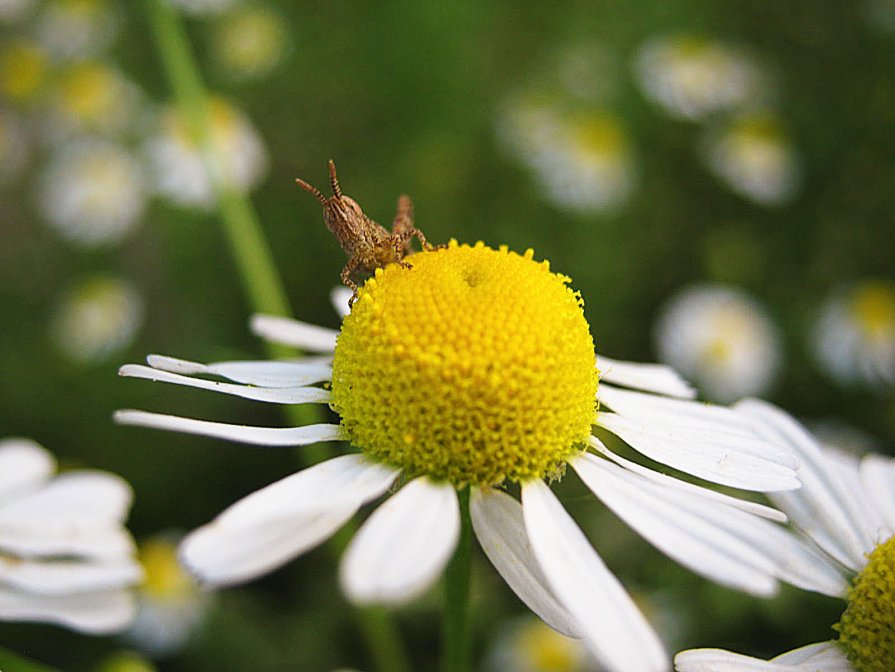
(456, 596)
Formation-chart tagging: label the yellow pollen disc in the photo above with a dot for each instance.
(867, 628)
(874, 307)
(473, 366)
(164, 577)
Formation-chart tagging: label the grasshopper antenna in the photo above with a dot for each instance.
(333, 180)
(314, 191)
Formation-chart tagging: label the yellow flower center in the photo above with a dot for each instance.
(874, 307)
(547, 650)
(164, 577)
(867, 628)
(473, 366)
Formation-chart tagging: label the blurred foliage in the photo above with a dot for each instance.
(406, 97)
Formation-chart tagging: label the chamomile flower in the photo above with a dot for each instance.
(73, 30)
(92, 192)
(249, 42)
(12, 11)
(720, 338)
(97, 318)
(846, 508)
(530, 645)
(65, 557)
(178, 169)
(692, 77)
(170, 604)
(753, 156)
(854, 338)
(476, 368)
(23, 70)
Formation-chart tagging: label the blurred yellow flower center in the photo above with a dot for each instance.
(474, 366)
(867, 628)
(874, 307)
(549, 651)
(164, 577)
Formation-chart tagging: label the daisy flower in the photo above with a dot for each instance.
(65, 557)
(720, 338)
(846, 508)
(249, 42)
(474, 369)
(854, 338)
(530, 645)
(73, 30)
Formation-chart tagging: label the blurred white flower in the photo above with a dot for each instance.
(854, 338)
(249, 42)
(92, 192)
(65, 557)
(721, 339)
(14, 10)
(170, 604)
(23, 70)
(692, 77)
(77, 29)
(753, 156)
(96, 319)
(93, 97)
(528, 644)
(582, 160)
(177, 165)
(204, 7)
(13, 146)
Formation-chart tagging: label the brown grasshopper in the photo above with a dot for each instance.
(368, 245)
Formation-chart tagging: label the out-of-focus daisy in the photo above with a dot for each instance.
(170, 605)
(93, 97)
(753, 156)
(720, 338)
(23, 70)
(92, 192)
(178, 168)
(64, 556)
(530, 645)
(97, 318)
(846, 508)
(249, 42)
(476, 368)
(583, 160)
(77, 29)
(12, 11)
(204, 7)
(692, 77)
(854, 338)
(13, 145)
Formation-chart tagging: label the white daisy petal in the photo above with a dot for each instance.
(83, 538)
(715, 456)
(259, 436)
(339, 297)
(279, 395)
(23, 465)
(671, 482)
(286, 331)
(65, 577)
(404, 544)
(609, 622)
(500, 529)
(723, 543)
(307, 371)
(821, 509)
(823, 656)
(275, 524)
(878, 477)
(656, 378)
(95, 497)
(717, 660)
(94, 613)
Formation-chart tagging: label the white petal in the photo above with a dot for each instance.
(403, 546)
(823, 656)
(279, 395)
(259, 436)
(613, 628)
(671, 482)
(82, 538)
(275, 524)
(500, 529)
(878, 477)
(92, 613)
(65, 577)
(23, 465)
(96, 497)
(712, 455)
(276, 373)
(723, 543)
(821, 508)
(294, 333)
(339, 297)
(656, 378)
(717, 660)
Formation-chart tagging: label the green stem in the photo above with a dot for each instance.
(261, 281)
(12, 662)
(456, 596)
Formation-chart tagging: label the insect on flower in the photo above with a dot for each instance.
(368, 245)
